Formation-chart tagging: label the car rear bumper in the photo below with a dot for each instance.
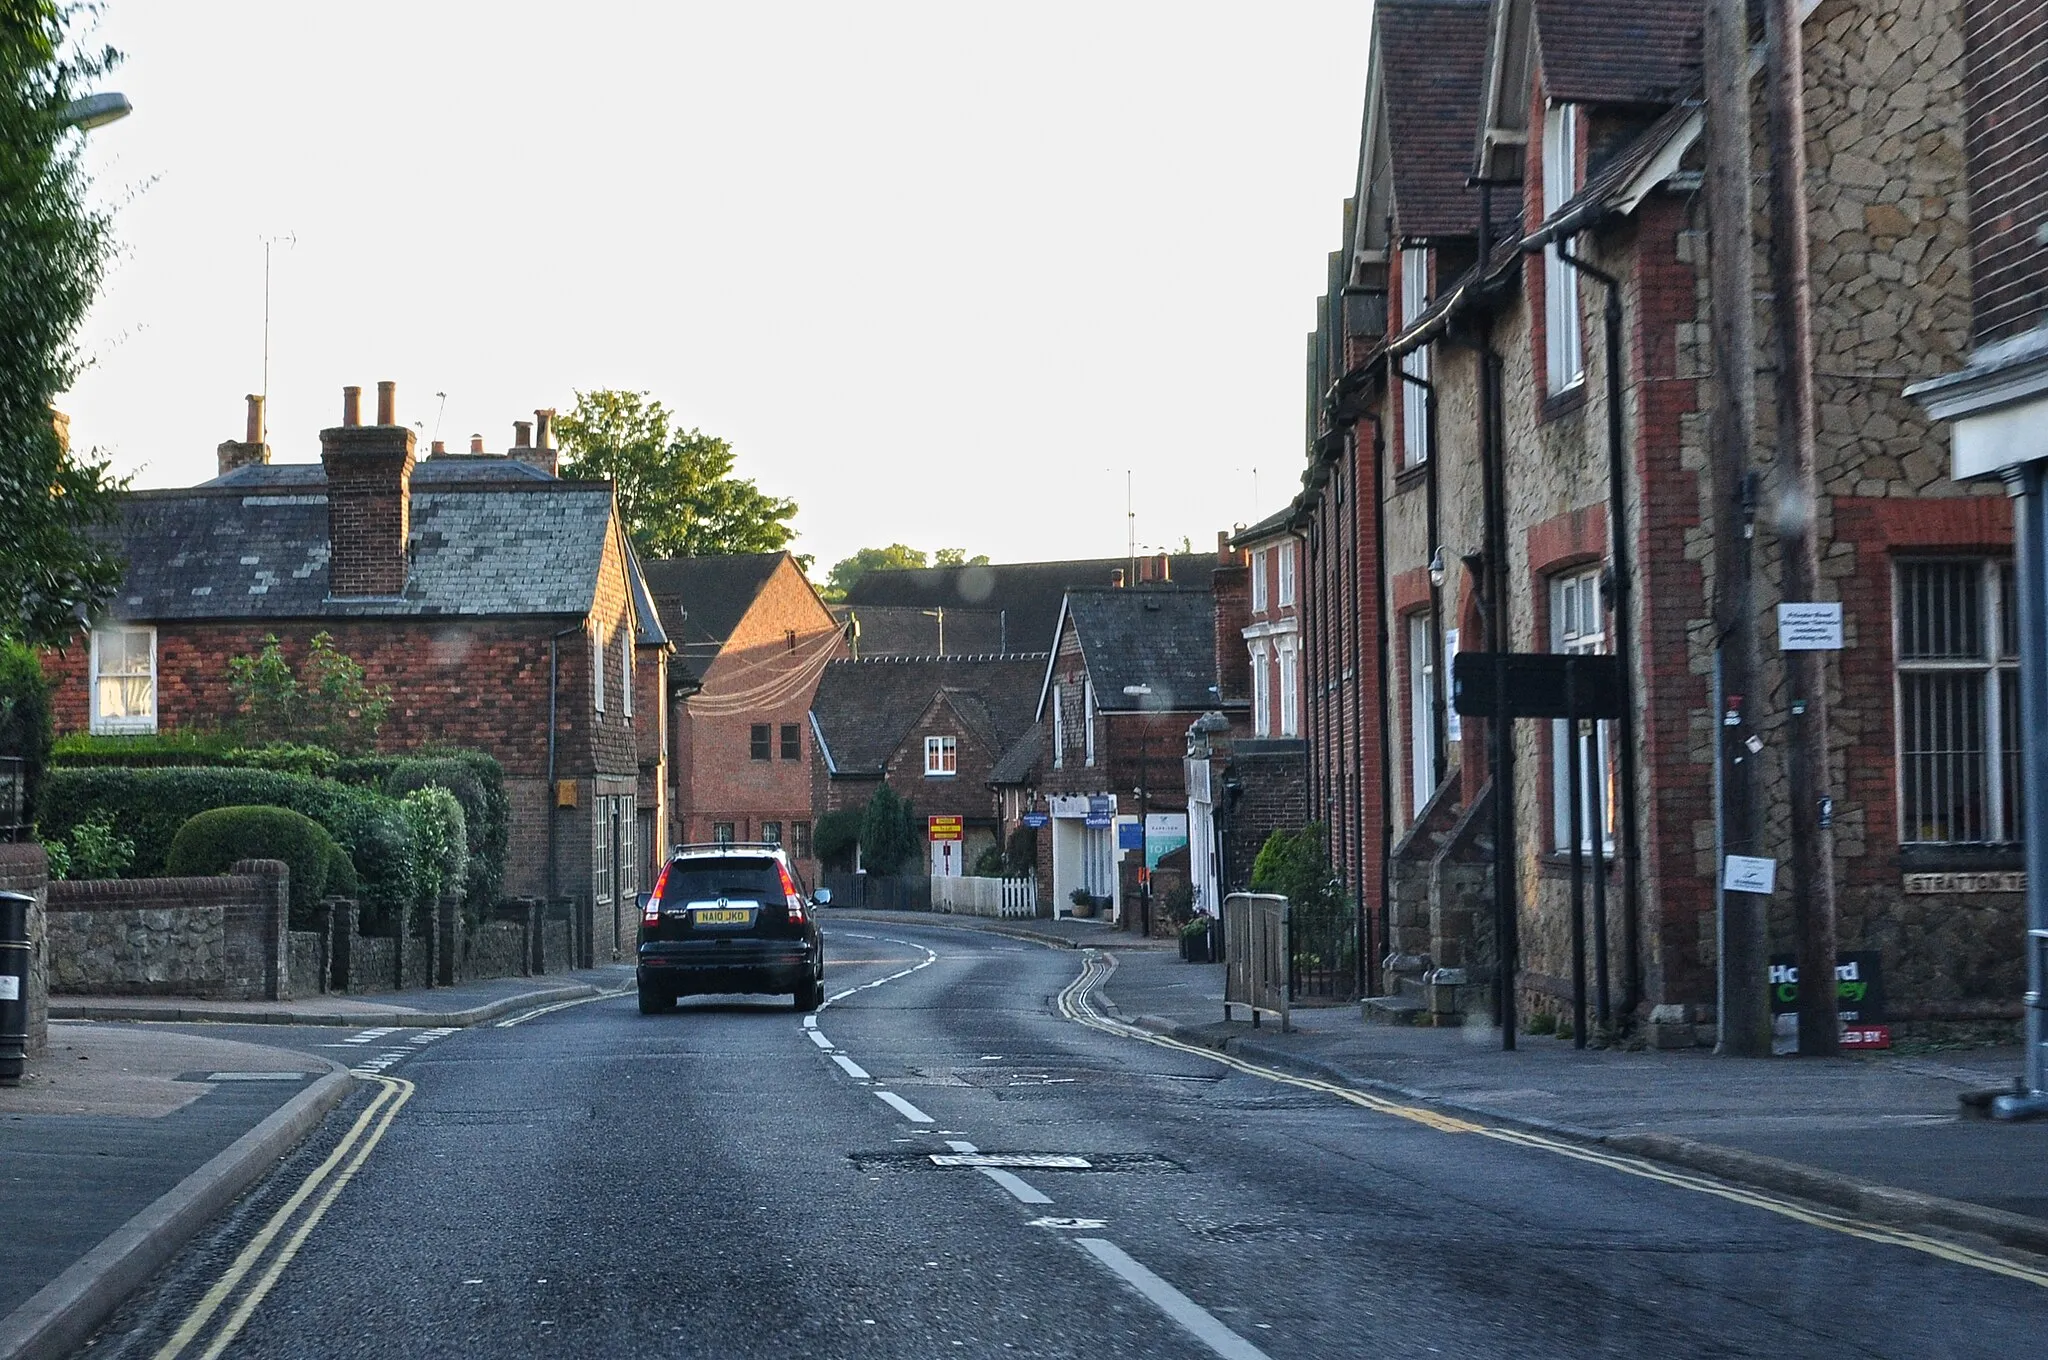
(727, 966)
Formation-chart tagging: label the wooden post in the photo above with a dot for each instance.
(1744, 996)
(1806, 752)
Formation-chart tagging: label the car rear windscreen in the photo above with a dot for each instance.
(736, 880)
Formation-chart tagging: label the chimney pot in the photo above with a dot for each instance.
(1116, 577)
(254, 433)
(351, 406)
(544, 428)
(1223, 553)
(476, 443)
(440, 446)
(1162, 567)
(387, 403)
(522, 434)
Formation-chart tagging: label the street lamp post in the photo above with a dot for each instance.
(1142, 692)
(96, 110)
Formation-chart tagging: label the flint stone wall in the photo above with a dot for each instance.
(220, 938)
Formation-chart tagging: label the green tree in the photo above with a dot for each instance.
(326, 702)
(888, 839)
(676, 490)
(1297, 866)
(957, 557)
(847, 571)
(54, 251)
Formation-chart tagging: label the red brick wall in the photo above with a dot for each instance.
(757, 677)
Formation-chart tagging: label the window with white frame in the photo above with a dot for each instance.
(1578, 624)
(1285, 552)
(1415, 363)
(1087, 722)
(941, 757)
(1422, 771)
(597, 667)
(626, 672)
(1258, 579)
(123, 679)
(1290, 688)
(1958, 698)
(1564, 345)
(1059, 727)
(1262, 693)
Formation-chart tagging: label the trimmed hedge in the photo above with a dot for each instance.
(213, 841)
(478, 782)
(150, 805)
(184, 747)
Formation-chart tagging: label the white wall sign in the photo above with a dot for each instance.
(1750, 874)
(1810, 627)
(10, 987)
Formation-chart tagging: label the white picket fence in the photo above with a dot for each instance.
(1008, 898)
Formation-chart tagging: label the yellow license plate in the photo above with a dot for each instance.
(723, 916)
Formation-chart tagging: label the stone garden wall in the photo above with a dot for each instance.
(221, 937)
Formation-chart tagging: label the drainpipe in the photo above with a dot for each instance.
(1382, 661)
(1624, 637)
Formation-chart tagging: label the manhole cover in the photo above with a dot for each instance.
(1014, 1161)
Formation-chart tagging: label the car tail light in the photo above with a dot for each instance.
(650, 915)
(790, 896)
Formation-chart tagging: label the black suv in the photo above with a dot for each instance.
(728, 918)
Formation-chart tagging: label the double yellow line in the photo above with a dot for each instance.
(1077, 1003)
(326, 1181)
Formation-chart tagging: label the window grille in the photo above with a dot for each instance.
(757, 741)
(721, 832)
(1958, 702)
(792, 742)
(771, 832)
(800, 839)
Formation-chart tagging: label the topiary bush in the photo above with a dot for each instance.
(149, 806)
(25, 719)
(211, 842)
(441, 838)
(478, 782)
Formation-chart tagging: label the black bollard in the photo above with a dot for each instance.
(14, 963)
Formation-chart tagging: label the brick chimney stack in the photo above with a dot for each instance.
(1231, 588)
(541, 453)
(250, 449)
(369, 497)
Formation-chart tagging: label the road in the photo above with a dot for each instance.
(730, 1182)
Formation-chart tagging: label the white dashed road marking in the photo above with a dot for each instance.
(850, 1067)
(1199, 1321)
(903, 1107)
(818, 1038)
(1024, 1192)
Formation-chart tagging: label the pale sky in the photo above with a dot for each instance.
(940, 272)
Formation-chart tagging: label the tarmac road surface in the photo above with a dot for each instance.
(967, 1153)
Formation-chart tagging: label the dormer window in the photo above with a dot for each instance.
(1563, 344)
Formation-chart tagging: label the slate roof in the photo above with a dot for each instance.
(1432, 72)
(702, 599)
(647, 629)
(489, 540)
(1272, 526)
(863, 710)
(1619, 51)
(1163, 637)
(1028, 592)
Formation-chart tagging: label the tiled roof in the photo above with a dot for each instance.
(864, 709)
(1619, 51)
(1029, 593)
(1432, 68)
(905, 630)
(647, 629)
(1159, 637)
(1019, 764)
(1272, 526)
(254, 545)
(702, 599)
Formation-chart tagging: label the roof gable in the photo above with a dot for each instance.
(703, 599)
(1159, 641)
(864, 710)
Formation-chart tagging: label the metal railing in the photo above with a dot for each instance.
(1256, 958)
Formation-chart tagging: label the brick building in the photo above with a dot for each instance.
(752, 639)
(934, 729)
(1131, 669)
(489, 594)
(1459, 489)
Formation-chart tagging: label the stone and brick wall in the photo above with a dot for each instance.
(24, 869)
(223, 938)
(2006, 70)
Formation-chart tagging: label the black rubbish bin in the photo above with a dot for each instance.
(14, 959)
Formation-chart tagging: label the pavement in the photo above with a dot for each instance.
(1879, 1135)
(171, 1127)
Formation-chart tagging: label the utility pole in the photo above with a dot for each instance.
(1744, 985)
(1806, 747)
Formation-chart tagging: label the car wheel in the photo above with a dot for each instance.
(654, 1001)
(809, 994)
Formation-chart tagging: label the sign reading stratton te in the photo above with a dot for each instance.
(2006, 881)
